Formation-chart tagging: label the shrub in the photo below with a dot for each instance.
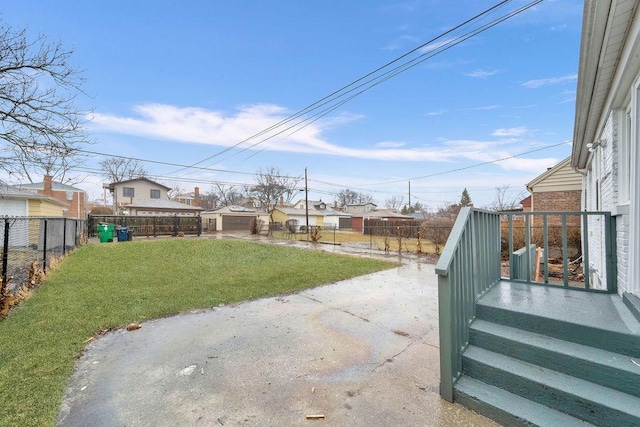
(437, 232)
(101, 210)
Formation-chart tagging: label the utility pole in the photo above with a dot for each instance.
(409, 194)
(306, 201)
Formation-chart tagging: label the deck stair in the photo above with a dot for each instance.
(552, 357)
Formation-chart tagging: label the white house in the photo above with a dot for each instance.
(607, 129)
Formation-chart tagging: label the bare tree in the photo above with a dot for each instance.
(208, 200)
(117, 169)
(350, 197)
(40, 127)
(176, 191)
(270, 185)
(394, 202)
(506, 199)
(228, 195)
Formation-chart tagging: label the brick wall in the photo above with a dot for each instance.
(555, 201)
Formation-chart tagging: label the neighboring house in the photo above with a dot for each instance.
(161, 207)
(559, 188)
(74, 198)
(331, 216)
(231, 218)
(319, 214)
(532, 349)
(144, 197)
(19, 202)
(191, 199)
(359, 207)
(136, 191)
(607, 129)
(526, 204)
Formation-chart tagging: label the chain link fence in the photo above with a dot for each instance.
(29, 247)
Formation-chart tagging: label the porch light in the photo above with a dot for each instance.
(593, 145)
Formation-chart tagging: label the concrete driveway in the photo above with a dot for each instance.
(362, 352)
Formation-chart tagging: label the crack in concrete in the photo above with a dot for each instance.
(389, 360)
(336, 308)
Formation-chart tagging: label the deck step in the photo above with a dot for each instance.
(601, 367)
(617, 342)
(579, 398)
(508, 408)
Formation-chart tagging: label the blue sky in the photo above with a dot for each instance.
(179, 82)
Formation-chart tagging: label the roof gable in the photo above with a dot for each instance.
(131, 181)
(560, 177)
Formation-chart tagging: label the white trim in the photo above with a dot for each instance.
(634, 202)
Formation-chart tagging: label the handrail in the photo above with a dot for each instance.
(468, 267)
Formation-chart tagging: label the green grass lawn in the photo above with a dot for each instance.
(107, 286)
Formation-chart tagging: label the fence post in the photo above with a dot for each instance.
(5, 255)
(44, 247)
(64, 236)
(176, 225)
(200, 225)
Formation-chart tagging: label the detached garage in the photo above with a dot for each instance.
(237, 222)
(231, 218)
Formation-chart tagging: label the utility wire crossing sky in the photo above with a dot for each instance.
(483, 96)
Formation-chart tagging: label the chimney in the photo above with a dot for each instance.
(48, 186)
(196, 196)
(281, 202)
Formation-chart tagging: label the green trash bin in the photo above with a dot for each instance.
(105, 232)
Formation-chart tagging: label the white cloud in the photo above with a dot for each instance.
(198, 125)
(483, 74)
(534, 84)
(390, 144)
(436, 46)
(400, 42)
(461, 110)
(510, 132)
(435, 113)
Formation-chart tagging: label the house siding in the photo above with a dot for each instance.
(142, 192)
(279, 217)
(43, 208)
(601, 191)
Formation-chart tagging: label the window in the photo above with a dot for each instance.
(155, 194)
(128, 191)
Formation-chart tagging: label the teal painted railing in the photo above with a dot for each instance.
(468, 267)
(470, 264)
(583, 242)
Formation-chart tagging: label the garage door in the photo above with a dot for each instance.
(345, 223)
(230, 222)
(13, 207)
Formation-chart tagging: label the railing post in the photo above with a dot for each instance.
(610, 251)
(447, 339)
(585, 251)
(565, 251)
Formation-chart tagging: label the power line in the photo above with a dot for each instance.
(465, 167)
(342, 92)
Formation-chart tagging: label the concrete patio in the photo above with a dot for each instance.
(360, 352)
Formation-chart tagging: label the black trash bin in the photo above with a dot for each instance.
(123, 234)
